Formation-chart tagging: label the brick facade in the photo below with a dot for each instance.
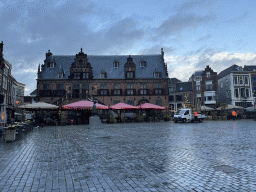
(205, 87)
(128, 88)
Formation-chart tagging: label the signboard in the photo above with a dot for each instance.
(28, 116)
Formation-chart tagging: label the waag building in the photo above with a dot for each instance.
(110, 79)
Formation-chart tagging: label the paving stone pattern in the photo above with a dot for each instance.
(159, 156)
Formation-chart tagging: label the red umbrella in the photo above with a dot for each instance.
(150, 106)
(122, 106)
(83, 105)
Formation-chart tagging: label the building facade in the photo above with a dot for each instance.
(110, 79)
(252, 70)
(235, 86)
(8, 88)
(205, 87)
(180, 94)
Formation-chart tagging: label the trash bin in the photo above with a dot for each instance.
(10, 133)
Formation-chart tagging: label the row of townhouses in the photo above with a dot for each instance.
(139, 78)
(11, 91)
(131, 79)
(235, 85)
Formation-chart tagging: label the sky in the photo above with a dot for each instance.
(193, 33)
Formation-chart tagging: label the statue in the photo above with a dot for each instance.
(94, 120)
(94, 111)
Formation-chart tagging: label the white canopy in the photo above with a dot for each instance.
(250, 108)
(230, 107)
(205, 108)
(39, 105)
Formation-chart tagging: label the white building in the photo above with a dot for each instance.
(235, 87)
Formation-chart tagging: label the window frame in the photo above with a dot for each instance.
(116, 64)
(86, 75)
(171, 89)
(143, 64)
(130, 86)
(156, 74)
(51, 65)
(103, 86)
(246, 77)
(129, 75)
(103, 75)
(241, 78)
(236, 80)
(226, 82)
(60, 75)
(236, 93)
(129, 92)
(158, 85)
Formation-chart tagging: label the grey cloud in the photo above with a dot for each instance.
(204, 38)
(190, 5)
(121, 36)
(239, 18)
(156, 49)
(179, 22)
(29, 29)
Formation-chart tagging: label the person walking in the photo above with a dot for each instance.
(234, 115)
(195, 115)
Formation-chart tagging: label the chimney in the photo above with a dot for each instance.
(162, 52)
(48, 54)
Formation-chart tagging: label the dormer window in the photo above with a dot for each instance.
(103, 75)
(76, 75)
(157, 74)
(51, 64)
(143, 64)
(116, 64)
(130, 75)
(60, 75)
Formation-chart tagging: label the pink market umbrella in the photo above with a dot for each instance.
(83, 105)
(122, 106)
(150, 106)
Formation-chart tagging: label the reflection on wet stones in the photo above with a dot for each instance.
(134, 158)
(226, 169)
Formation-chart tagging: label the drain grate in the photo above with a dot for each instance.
(226, 169)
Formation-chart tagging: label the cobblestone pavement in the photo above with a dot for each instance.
(159, 156)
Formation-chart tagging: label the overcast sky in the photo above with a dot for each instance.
(193, 33)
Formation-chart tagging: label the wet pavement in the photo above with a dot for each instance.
(158, 156)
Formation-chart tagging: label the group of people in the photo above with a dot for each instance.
(234, 115)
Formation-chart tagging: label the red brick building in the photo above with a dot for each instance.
(111, 79)
(205, 87)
